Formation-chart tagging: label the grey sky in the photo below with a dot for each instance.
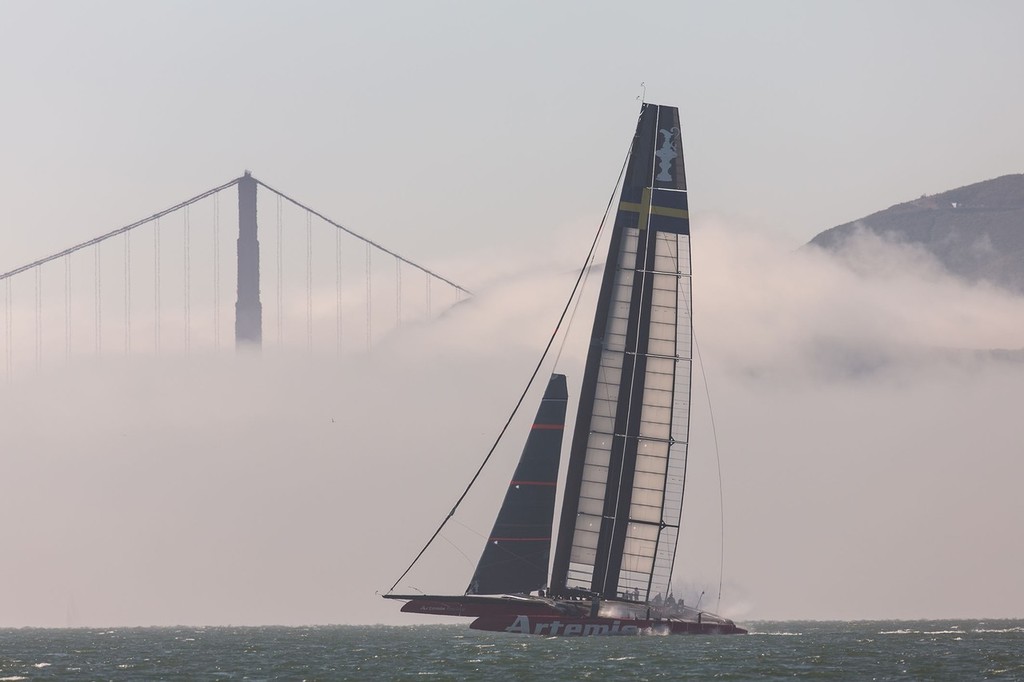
(429, 124)
(484, 139)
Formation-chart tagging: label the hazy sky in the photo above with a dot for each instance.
(870, 472)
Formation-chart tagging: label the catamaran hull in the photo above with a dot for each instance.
(552, 625)
(545, 616)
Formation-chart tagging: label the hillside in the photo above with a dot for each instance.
(976, 231)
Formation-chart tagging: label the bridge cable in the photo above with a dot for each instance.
(362, 238)
(114, 233)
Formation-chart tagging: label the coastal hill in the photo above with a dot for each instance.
(976, 232)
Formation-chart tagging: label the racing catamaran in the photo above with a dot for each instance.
(621, 507)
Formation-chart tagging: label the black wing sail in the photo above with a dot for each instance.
(624, 485)
(515, 559)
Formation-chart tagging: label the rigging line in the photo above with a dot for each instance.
(718, 461)
(369, 242)
(536, 370)
(458, 549)
(120, 230)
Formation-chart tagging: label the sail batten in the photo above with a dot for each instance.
(626, 469)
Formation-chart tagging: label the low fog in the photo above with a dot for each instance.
(869, 445)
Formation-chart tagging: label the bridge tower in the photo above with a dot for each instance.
(248, 309)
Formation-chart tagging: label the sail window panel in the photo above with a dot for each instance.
(625, 277)
(592, 490)
(662, 314)
(666, 262)
(642, 531)
(650, 497)
(588, 527)
(664, 297)
(583, 555)
(604, 407)
(655, 409)
(667, 254)
(661, 365)
(607, 386)
(661, 329)
(639, 562)
(657, 398)
(590, 505)
(643, 480)
(661, 347)
(664, 328)
(651, 464)
(602, 424)
(618, 325)
(630, 239)
(615, 342)
(649, 429)
(658, 381)
(610, 362)
(662, 281)
(580, 574)
(595, 473)
(655, 422)
(645, 512)
(599, 446)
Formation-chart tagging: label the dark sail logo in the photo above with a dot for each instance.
(668, 152)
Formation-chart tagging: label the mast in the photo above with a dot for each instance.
(623, 496)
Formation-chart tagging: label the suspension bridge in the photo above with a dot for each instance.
(163, 284)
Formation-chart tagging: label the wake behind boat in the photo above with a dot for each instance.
(621, 508)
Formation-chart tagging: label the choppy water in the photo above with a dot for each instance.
(902, 650)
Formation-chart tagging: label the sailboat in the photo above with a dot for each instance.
(621, 507)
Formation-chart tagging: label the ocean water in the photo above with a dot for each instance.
(864, 650)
